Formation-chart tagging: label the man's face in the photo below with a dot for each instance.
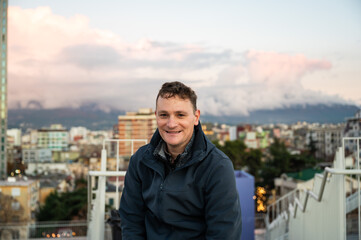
(176, 119)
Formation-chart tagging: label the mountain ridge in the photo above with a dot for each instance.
(95, 118)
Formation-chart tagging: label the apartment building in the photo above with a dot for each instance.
(327, 139)
(24, 195)
(14, 137)
(36, 155)
(352, 129)
(55, 138)
(135, 125)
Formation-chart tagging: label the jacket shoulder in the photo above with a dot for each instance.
(143, 151)
(219, 155)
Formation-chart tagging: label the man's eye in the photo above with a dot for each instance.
(181, 115)
(162, 115)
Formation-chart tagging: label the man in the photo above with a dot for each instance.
(179, 186)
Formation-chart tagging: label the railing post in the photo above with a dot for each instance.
(340, 164)
(100, 208)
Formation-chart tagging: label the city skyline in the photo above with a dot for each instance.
(238, 56)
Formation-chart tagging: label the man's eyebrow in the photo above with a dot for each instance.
(181, 112)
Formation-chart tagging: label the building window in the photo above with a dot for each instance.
(15, 192)
(15, 219)
(15, 205)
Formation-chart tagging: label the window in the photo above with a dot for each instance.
(15, 192)
(15, 205)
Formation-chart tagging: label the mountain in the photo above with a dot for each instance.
(89, 117)
(95, 118)
(320, 113)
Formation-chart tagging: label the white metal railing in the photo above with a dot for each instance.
(96, 207)
(287, 206)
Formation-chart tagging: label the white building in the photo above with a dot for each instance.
(352, 129)
(15, 134)
(327, 139)
(36, 155)
(35, 168)
(78, 133)
(251, 140)
(55, 138)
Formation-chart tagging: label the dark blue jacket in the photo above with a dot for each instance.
(198, 200)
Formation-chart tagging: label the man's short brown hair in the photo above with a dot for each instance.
(172, 89)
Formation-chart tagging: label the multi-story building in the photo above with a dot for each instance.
(55, 138)
(24, 195)
(78, 133)
(327, 139)
(135, 125)
(352, 129)
(3, 87)
(36, 155)
(14, 135)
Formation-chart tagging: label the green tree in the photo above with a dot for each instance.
(252, 159)
(234, 150)
(311, 147)
(64, 206)
(277, 162)
(243, 158)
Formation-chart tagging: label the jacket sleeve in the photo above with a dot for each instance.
(132, 207)
(222, 209)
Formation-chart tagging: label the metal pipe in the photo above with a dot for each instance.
(117, 180)
(107, 173)
(358, 189)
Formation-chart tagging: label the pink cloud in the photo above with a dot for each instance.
(62, 61)
(50, 54)
(279, 68)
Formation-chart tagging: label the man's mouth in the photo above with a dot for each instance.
(172, 132)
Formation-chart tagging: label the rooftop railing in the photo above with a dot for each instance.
(288, 206)
(96, 196)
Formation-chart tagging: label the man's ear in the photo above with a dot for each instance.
(197, 113)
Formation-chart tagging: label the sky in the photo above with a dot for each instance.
(239, 56)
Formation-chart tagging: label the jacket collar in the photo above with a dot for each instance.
(199, 150)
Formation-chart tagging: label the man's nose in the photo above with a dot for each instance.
(172, 123)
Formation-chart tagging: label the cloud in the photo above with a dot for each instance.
(264, 80)
(90, 56)
(278, 68)
(57, 61)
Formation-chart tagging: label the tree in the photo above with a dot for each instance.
(278, 162)
(243, 158)
(64, 206)
(281, 161)
(234, 150)
(312, 149)
(252, 159)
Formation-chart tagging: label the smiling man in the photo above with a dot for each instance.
(179, 186)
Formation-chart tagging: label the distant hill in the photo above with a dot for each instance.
(95, 118)
(309, 113)
(91, 118)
